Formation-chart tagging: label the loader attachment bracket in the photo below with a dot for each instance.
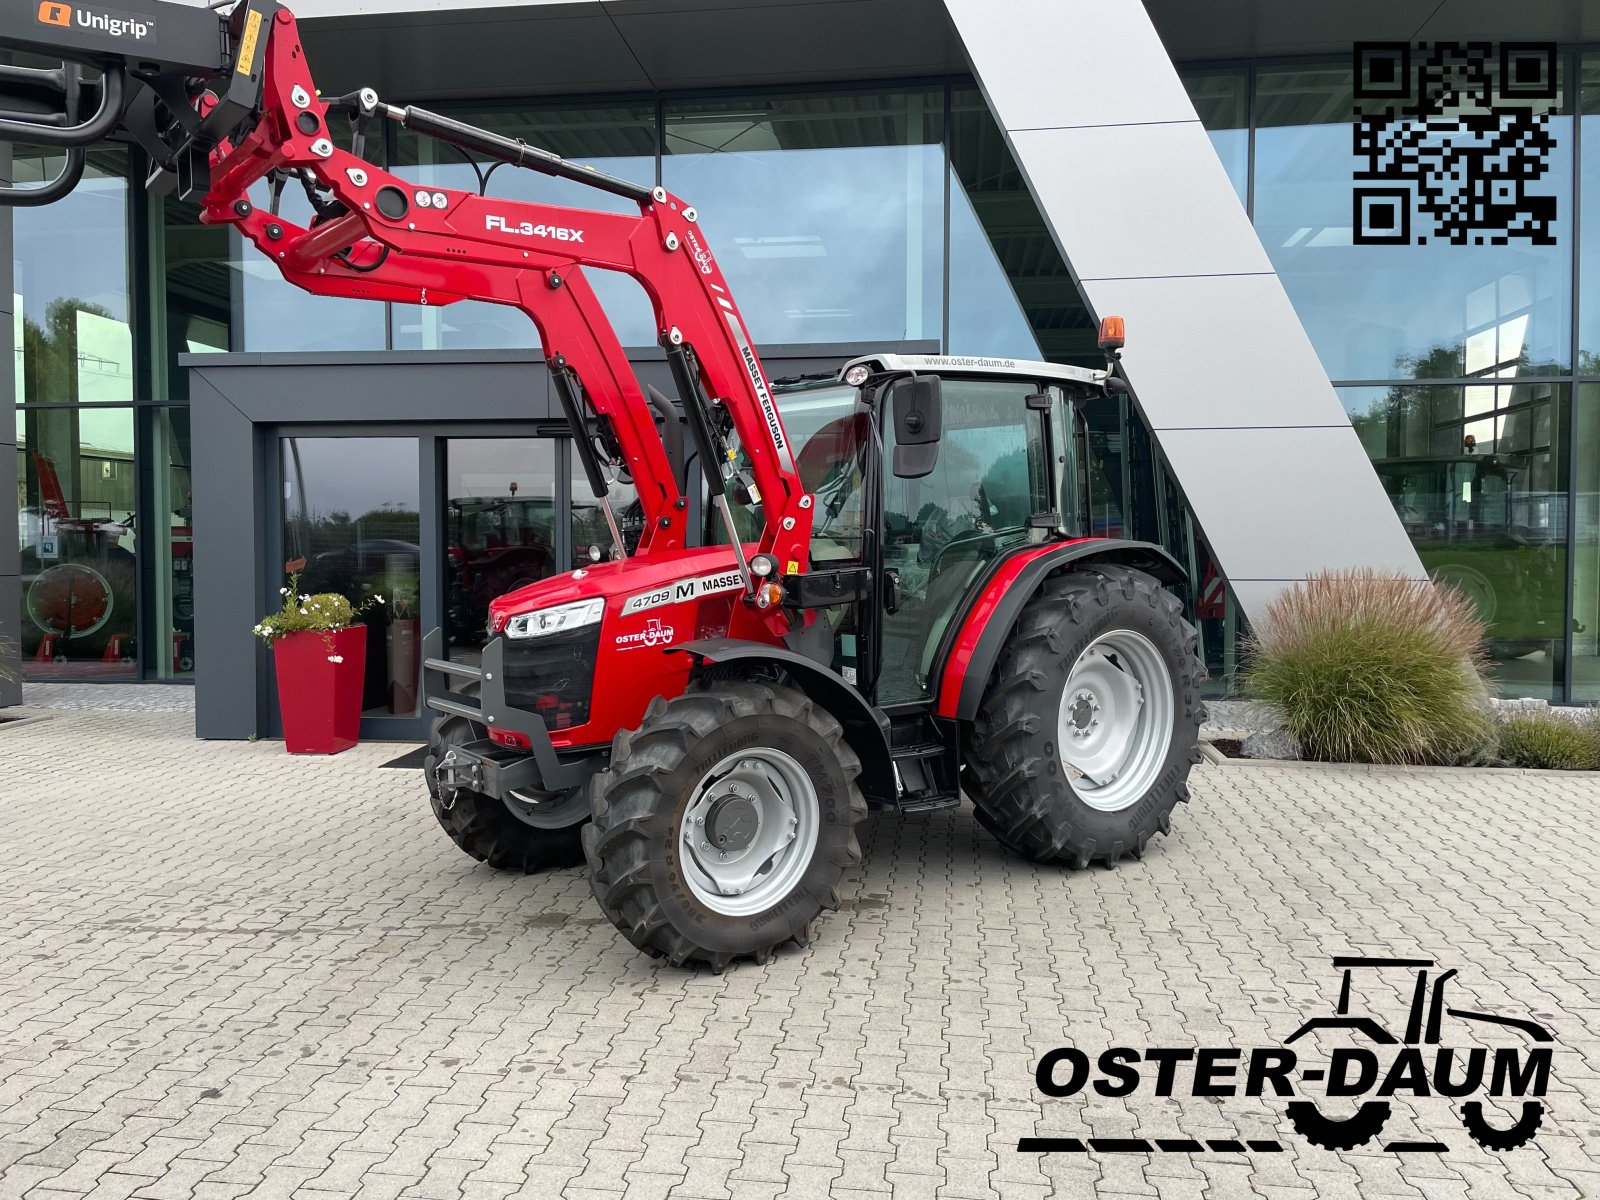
(175, 79)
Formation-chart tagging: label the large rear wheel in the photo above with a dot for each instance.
(520, 833)
(724, 823)
(1085, 737)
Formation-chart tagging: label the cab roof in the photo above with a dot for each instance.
(958, 364)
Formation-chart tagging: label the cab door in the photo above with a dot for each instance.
(942, 530)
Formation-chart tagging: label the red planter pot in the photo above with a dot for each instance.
(319, 698)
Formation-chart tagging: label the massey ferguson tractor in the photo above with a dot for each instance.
(889, 600)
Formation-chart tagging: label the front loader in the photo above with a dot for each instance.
(891, 600)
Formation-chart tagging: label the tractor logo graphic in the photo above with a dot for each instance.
(654, 633)
(1422, 1065)
(1497, 1094)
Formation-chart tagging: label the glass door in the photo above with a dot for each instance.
(351, 523)
(502, 527)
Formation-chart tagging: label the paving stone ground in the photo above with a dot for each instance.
(225, 971)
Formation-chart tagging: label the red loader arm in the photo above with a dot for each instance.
(379, 237)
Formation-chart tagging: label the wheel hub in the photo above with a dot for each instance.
(1115, 720)
(1083, 714)
(749, 831)
(732, 822)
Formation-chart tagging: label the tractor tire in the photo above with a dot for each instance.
(1492, 1138)
(1091, 720)
(507, 835)
(1358, 1129)
(753, 767)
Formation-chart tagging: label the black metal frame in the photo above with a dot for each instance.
(484, 765)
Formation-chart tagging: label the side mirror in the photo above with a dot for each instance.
(918, 424)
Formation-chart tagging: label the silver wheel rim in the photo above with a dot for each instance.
(1115, 720)
(560, 811)
(749, 832)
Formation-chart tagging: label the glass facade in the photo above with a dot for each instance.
(826, 209)
(619, 140)
(1461, 367)
(846, 214)
(74, 376)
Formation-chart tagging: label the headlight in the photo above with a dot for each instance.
(556, 620)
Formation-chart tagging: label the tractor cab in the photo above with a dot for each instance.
(958, 462)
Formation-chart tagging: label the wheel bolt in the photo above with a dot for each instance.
(705, 845)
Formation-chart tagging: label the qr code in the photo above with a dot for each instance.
(1453, 143)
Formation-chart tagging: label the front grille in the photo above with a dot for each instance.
(553, 676)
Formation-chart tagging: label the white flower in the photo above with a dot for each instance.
(304, 597)
(316, 608)
(378, 598)
(336, 658)
(283, 591)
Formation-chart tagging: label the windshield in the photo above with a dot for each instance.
(831, 432)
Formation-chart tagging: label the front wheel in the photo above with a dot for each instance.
(1338, 1133)
(1491, 1137)
(519, 833)
(1085, 737)
(724, 823)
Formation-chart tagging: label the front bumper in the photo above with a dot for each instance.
(486, 766)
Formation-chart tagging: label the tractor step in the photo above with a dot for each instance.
(928, 803)
(927, 775)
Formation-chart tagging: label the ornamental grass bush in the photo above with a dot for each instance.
(1551, 742)
(1376, 668)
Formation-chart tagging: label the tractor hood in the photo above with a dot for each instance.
(631, 586)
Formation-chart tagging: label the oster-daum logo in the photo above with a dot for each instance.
(55, 14)
(1337, 1099)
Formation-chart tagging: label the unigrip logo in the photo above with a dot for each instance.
(1377, 1064)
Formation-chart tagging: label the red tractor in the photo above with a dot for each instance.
(891, 599)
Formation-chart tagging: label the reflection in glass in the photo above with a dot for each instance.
(589, 527)
(75, 532)
(1586, 557)
(1381, 312)
(72, 337)
(1589, 221)
(350, 510)
(275, 315)
(198, 288)
(173, 551)
(1010, 292)
(825, 211)
(1222, 101)
(1479, 483)
(619, 141)
(500, 527)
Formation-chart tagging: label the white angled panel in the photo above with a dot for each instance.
(1212, 351)
(1141, 200)
(1049, 63)
(1282, 503)
(1219, 362)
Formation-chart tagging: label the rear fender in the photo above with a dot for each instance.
(866, 727)
(966, 667)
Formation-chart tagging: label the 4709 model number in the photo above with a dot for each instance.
(556, 233)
